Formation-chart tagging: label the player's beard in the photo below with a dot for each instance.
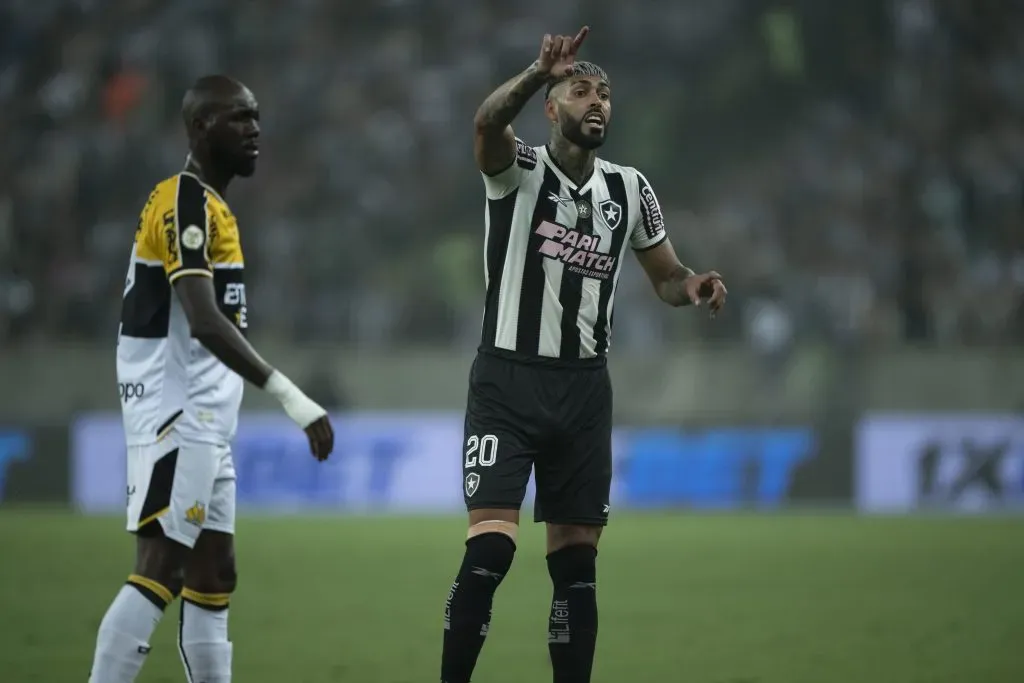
(572, 130)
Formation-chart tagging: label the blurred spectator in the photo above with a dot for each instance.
(862, 161)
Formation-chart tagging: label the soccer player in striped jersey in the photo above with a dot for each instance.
(182, 359)
(559, 221)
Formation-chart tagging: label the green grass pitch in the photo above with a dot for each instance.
(684, 598)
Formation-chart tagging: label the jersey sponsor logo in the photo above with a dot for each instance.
(128, 391)
(577, 251)
(652, 211)
(193, 237)
(611, 213)
(234, 298)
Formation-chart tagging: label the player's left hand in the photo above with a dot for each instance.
(707, 286)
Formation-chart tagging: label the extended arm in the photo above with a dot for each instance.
(675, 284)
(667, 274)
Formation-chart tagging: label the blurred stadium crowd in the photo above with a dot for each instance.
(853, 167)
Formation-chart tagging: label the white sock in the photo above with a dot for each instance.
(203, 644)
(123, 639)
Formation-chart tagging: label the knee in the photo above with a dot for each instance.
(565, 535)
(491, 550)
(572, 554)
(162, 564)
(573, 564)
(227, 576)
(215, 578)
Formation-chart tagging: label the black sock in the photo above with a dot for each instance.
(467, 614)
(572, 629)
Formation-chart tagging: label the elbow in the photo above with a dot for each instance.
(203, 326)
(482, 125)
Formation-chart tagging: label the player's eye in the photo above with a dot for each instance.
(580, 92)
(605, 96)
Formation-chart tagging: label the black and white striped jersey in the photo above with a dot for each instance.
(554, 252)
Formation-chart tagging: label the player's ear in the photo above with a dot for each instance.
(549, 110)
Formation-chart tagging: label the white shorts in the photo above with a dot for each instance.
(185, 487)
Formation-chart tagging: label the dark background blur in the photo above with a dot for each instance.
(853, 167)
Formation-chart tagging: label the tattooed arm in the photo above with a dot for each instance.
(494, 144)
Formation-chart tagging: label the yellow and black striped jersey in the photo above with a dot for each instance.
(167, 380)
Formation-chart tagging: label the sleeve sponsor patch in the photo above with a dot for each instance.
(526, 156)
(654, 222)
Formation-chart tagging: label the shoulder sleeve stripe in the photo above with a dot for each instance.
(526, 156)
(187, 234)
(190, 204)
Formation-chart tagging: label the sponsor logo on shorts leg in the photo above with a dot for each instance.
(579, 252)
(129, 391)
(472, 484)
(196, 515)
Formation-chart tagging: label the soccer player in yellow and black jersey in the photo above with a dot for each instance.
(182, 359)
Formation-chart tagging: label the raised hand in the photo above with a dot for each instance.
(558, 53)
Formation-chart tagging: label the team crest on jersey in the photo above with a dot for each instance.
(472, 484)
(611, 213)
(583, 208)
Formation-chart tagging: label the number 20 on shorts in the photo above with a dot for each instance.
(481, 450)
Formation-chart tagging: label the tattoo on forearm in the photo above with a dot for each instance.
(673, 291)
(505, 103)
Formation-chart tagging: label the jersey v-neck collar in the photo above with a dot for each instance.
(553, 165)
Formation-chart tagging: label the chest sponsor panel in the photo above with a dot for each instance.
(581, 253)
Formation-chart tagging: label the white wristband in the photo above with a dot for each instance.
(299, 407)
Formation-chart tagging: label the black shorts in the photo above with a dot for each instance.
(556, 421)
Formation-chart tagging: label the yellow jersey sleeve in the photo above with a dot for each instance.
(181, 234)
